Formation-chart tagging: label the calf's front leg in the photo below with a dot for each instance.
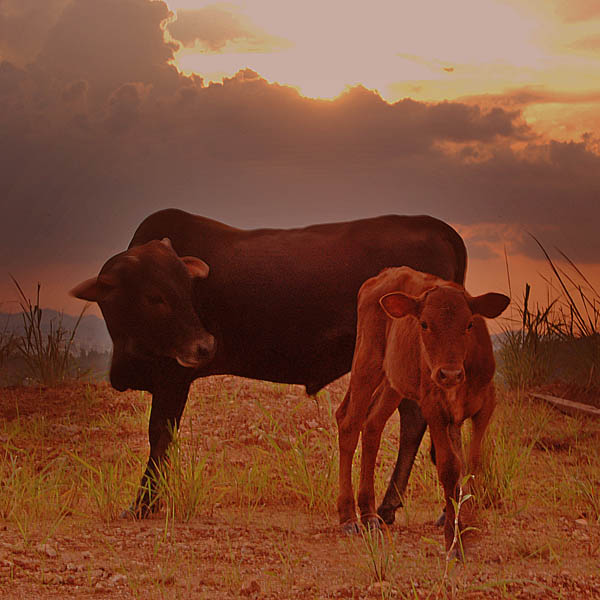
(449, 472)
(385, 402)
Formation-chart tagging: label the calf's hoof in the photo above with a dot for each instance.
(349, 528)
(441, 520)
(371, 522)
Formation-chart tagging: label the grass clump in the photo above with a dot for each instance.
(558, 341)
(188, 483)
(48, 357)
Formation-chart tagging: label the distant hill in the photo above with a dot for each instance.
(91, 333)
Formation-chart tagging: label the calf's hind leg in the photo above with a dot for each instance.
(350, 417)
(385, 402)
(412, 429)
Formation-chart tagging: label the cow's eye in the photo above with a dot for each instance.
(424, 325)
(155, 299)
(470, 326)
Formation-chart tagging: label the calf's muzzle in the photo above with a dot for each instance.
(448, 377)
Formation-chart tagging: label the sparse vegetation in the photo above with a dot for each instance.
(42, 351)
(556, 342)
(48, 358)
(248, 493)
(247, 502)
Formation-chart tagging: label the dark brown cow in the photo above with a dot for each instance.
(421, 343)
(193, 297)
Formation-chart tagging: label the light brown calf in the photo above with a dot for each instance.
(422, 347)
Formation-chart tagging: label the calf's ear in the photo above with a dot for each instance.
(86, 290)
(489, 305)
(397, 305)
(196, 267)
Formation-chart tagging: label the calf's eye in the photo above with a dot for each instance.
(470, 326)
(424, 325)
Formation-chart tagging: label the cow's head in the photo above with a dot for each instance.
(145, 295)
(447, 319)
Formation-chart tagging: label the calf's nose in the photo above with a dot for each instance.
(446, 377)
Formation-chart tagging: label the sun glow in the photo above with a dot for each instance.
(334, 44)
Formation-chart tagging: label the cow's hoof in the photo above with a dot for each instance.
(387, 514)
(129, 514)
(457, 555)
(134, 513)
(349, 528)
(441, 520)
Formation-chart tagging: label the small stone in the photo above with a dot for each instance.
(379, 588)
(581, 522)
(250, 587)
(46, 549)
(117, 579)
(86, 555)
(51, 578)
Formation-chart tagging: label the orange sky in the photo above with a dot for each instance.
(483, 113)
(430, 50)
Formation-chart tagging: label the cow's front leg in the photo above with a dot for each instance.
(168, 401)
(412, 428)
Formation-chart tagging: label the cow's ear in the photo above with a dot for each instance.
(195, 266)
(489, 305)
(397, 305)
(86, 290)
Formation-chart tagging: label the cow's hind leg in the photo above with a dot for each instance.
(168, 401)
(412, 428)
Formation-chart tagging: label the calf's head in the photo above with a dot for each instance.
(145, 295)
(447, 318)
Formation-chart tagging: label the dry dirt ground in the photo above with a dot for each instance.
(249, 506)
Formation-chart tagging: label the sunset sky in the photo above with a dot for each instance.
(284, 113)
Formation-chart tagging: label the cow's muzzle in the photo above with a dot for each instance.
(198, 355)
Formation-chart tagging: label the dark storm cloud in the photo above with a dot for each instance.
(215, 25)
(24, 26)
(110, 43)
(74, 91)
(80, 172)
(123, 106)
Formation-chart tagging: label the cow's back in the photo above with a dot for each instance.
(283, 301)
